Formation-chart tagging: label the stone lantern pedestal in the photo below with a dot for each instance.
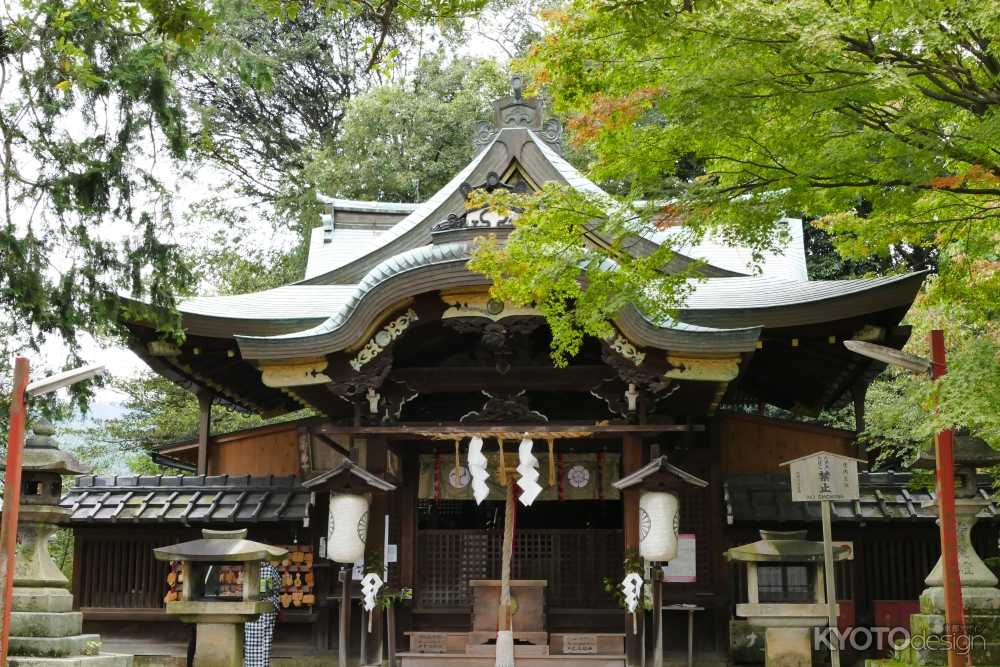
(45, 631)
(980, 595)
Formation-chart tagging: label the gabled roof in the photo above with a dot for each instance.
(349, 469)
(657, 465)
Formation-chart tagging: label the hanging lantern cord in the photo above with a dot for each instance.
(458, 464)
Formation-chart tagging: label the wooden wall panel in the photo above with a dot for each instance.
(752, 444)
(269, 453)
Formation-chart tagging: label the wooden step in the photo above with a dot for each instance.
(455, 660)
(520, 650)
(438, 642)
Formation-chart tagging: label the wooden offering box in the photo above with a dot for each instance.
(528, 598)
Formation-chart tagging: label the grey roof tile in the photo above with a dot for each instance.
(767, 498)
(196, 499)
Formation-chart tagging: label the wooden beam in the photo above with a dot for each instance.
(204, 429)
(475, 378)
(327, 440)
(418, 430)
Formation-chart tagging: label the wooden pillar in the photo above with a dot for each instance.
(407, 495)
(375, 454)
(204, 429)
(407, 508)
(721, 570)
(632, 460)
(858, 393)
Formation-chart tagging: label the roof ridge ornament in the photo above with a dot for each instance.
(517, 111)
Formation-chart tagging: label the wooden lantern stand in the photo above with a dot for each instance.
(659, 475)
(351, 478)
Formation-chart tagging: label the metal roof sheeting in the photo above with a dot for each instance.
(186, 500)
(885, 496)
(332, 249)
(764, 292)
(788, 262)
(290, 302)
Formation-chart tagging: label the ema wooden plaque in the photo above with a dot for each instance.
(579, 643)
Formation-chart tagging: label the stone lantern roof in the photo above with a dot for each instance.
(220, 546)
(42, 453)
(969, 450)
(776, 546)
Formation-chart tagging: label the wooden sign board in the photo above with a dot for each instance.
(429, 642)
(580, 644)
(824, 476)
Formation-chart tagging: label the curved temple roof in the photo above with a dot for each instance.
(368, 258)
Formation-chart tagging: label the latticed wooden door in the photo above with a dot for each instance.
(573, 562)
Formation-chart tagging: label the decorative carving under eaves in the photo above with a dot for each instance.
(481, 305)
(371, 377)
(394, 395)
(510, 408)
(631, 373)
(612, 392)
(625, 348)
(496, 342)
(383, 338)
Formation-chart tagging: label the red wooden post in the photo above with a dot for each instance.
(954, 612)
(12, 497)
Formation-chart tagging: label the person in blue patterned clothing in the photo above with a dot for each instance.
(260, 633)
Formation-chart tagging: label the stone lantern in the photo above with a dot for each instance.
(44, 628)
(980, 595)
(785, 593)
(219, 608)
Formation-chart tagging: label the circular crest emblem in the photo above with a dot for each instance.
(363, 527)
(383, 338)
(645, 524)
(578, 476)
(459, 477)
(494, 306)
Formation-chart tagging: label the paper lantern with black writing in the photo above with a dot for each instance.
(658, 523)
(348, 527)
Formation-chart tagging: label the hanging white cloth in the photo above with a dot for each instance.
(528, 470)
(477, 469)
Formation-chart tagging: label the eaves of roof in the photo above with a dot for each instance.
(437, 267)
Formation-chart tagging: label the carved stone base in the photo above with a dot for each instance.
(788, 647)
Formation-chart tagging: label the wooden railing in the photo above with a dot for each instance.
(573, 562)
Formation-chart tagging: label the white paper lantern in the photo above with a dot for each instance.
(658, 523)
(348, 527)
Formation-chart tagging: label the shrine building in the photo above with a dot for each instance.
(402, 356)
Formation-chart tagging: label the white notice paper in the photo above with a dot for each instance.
(684, 568)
